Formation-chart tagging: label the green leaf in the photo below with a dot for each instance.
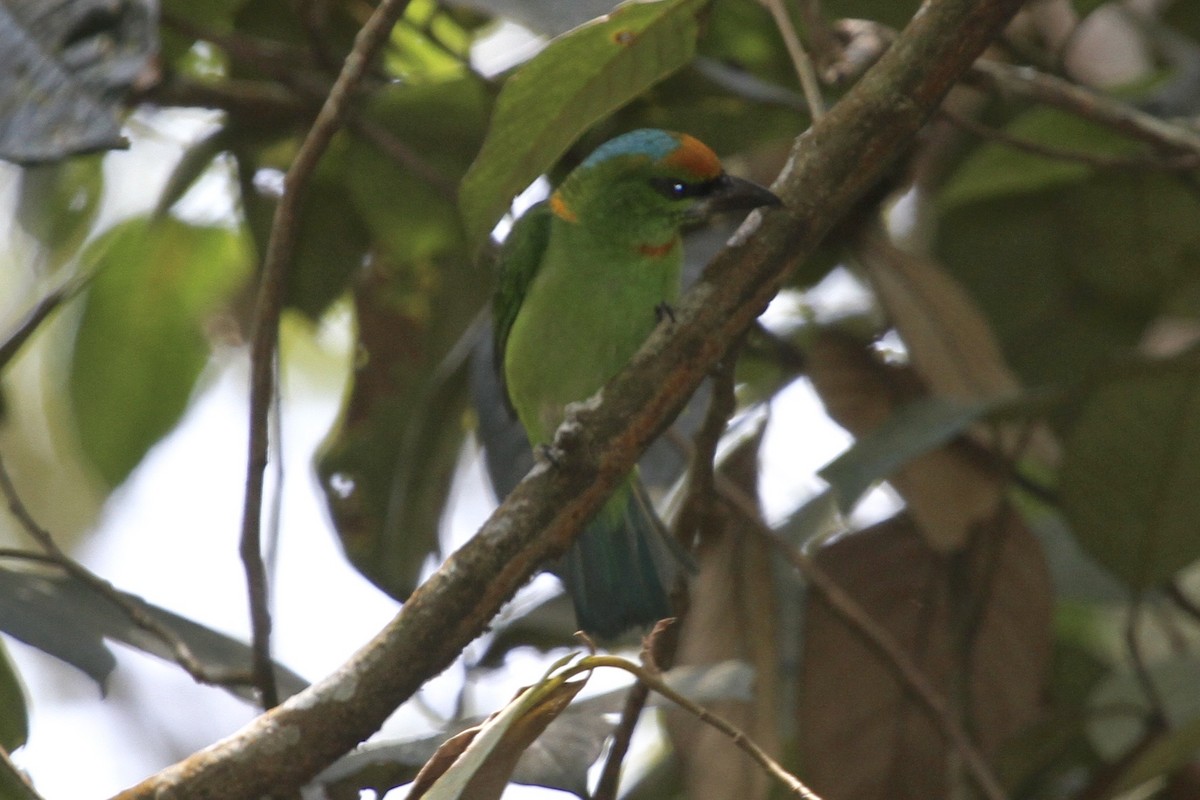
(13, 785)
(995, 169)
(912, 430)
(1130, 473)
(58, 203)
(408, 198)
(577, 80)
(14, 718)
(1094, 262)
(140, 344)
(386, 468)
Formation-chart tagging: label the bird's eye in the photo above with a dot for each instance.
(671, 188)
(674, 189)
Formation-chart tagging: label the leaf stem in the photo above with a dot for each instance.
(739, 737)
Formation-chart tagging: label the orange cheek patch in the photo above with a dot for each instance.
(561, 209)
(694, 156)
(657, 250)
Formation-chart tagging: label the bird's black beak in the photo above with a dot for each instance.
(733, 194)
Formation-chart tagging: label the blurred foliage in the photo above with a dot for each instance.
(14, 718)
(1020, 366)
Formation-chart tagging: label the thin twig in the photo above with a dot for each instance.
(1182, 161)
(1083, 102)
(36, 316)
(17, 554)
(181, 653)
(800, 59)
(739, 737)
(863, 623)
(268, 307)
(658, 653)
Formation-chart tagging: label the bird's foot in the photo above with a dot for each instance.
(663, 311)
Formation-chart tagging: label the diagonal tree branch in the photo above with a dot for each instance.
(844, 155)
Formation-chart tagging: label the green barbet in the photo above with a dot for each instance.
(584, 279)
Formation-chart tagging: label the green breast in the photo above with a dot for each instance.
(585, 314)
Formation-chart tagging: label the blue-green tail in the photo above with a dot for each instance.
(622, 568)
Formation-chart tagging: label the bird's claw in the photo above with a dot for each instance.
(663, 311)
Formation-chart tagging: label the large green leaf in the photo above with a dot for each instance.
(1130, 474)
(1099, 253)
(387, 466)
(140, 343)
(577, 80)
(14, 718)
(407, 195)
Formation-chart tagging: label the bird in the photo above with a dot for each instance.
(584, 278)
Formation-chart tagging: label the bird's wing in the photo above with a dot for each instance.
(520, 259)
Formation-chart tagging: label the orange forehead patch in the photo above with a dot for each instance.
(694, 157)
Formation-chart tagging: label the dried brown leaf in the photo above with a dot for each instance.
(978, 624)
(492, 774)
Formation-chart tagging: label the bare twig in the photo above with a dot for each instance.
(744, 742)
(878, 637)
(280, 247)
(1182, 161)
(658, 652)
(800, 59)
(181, 653)
(36, 316)
(1091, 105)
